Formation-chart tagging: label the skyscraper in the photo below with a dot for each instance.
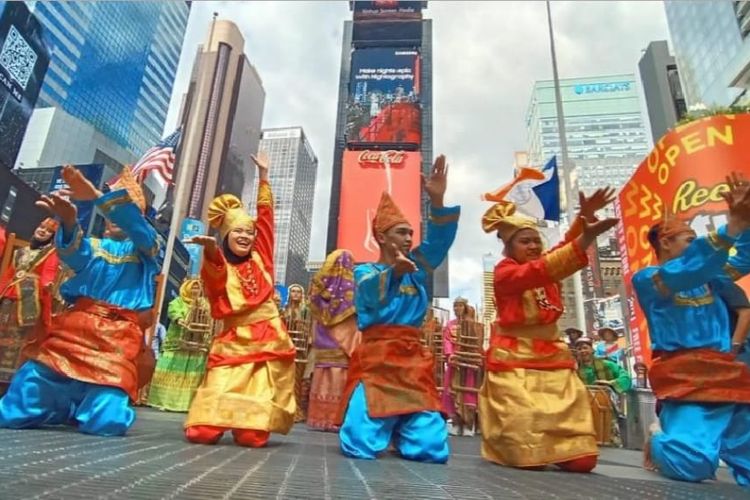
(293, 172)
(384, 124)
(606, 135)
(222, 114)
(712, 49)
(113, 65)
(662, 88)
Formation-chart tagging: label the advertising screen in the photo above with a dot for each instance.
(94, 173)
(23, 63)
(393, 9)
(683, 176)
(193, 227)
(383, 105)
(365, 175)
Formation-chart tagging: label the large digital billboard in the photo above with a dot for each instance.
(23, 62)
(383, 105)
(364, 177)
(392, 9)
(684, 177)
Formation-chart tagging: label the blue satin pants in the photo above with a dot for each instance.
(419, 436)
(696, 435)
(40, 396)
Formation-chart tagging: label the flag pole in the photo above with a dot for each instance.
(182, 187)
(567, 169)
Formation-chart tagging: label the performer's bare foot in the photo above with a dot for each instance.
(648, 462)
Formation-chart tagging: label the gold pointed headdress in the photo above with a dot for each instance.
(388, 215)
(502, 217)
(226, 212)
(129, 183)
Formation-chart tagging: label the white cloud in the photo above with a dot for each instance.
(487, 56)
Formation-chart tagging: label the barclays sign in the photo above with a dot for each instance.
(594, 88)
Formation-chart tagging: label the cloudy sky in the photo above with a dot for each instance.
(486, 56)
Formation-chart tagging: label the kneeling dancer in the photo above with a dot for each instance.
(391, 391)
(249, 384)
(533, 409)
(84, 372)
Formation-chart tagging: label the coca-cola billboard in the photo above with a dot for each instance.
(382, 159)
(364, 177)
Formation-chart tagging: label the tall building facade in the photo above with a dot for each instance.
(662, 89)
(293, 173)
(607, 140)
(221, 115)
(113, 64)
(384, 125)
(24, 58)
(712, 49)
(606, 135)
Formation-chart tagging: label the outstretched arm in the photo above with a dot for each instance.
(264, 226)
(443, 223)
(73, 247)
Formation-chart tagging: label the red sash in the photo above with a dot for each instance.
(396, 371)
(702, 375)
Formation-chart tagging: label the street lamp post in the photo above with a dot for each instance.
(566, 171)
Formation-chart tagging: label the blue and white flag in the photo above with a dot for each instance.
(539, 198)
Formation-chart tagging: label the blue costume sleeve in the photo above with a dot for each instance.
(73, 248)
(699, 264)
(374, 286)
(118, 207)
(441, 231)
(738, 264)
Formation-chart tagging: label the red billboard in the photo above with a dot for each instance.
(364, 177)
(684, 175)
(384, 93)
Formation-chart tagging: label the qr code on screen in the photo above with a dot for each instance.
(17, 57)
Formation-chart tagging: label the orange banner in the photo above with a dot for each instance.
(364, 177)
(684, 174)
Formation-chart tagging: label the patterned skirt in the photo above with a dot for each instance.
(12, 339)
(177, 376)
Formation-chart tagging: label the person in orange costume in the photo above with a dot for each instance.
(249, 382)
(25, 297)
(534, 410)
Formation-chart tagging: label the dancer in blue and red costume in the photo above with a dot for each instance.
(704, 390)
(391, 390)
(85, 371)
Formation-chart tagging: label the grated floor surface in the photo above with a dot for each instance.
(155, 462)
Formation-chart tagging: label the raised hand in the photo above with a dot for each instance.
(79, 187)
(592, 229)
(261, 161)
(207, 242)
(60, 207)
(402, 264)
(738, 201)
(600, 199)
(436, 184)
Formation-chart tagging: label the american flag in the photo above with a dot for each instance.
(159, 159)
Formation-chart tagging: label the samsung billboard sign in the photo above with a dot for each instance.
(596, 88)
